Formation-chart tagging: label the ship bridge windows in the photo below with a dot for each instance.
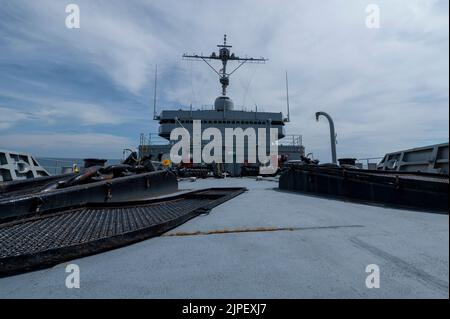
(232, 122)
(167, 121)
(186, 121)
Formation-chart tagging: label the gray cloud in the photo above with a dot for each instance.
(50, 111)
(387, 89)
(10, 117)
(67, 145)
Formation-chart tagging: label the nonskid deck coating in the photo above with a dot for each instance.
(325, 258)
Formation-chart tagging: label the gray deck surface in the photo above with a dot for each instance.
(324, 257)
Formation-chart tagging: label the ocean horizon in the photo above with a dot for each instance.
(55, 165)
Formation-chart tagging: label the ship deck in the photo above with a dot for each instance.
(265, 243)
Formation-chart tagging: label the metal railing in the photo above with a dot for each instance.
(155, 139)
(368, 162)
(55, 166)
(291, 140)
(152, 139)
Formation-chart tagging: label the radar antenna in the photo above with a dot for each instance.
(224, 55)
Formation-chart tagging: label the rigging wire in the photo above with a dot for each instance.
(194, 96)
(247, 87)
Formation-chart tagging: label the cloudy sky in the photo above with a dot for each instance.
(89, 91)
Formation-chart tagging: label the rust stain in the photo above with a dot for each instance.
(252, 230)
(227, 231)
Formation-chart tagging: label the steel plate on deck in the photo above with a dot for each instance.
(420, 191)
(66, 234)
(18, 200)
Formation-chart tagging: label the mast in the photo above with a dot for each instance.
(224, 55)
(154, 94)
(288, 119)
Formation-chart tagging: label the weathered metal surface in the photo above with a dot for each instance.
(418, 191)
(193, 172)
(431, 159)
(332, 134)
(32, 200)
(69, 233)
(16, 166)
(20, 187)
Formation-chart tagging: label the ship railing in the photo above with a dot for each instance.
(152, 139)
(236, 107)
(155, 139)
(56, 166)
(368, 162)
(291, 140)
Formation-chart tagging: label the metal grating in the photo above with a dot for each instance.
(46, 239)
(84, 225)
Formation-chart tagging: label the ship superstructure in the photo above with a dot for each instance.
(223, 115)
